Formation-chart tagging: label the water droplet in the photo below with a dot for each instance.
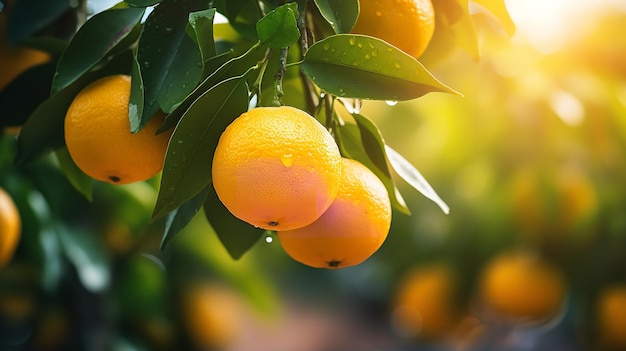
(368, 56)
(379, 13)
(374, 53)
(397, 64)
(370, 44)
(391, 102)
(326, 46)
(180, 141)
(269, 239)
(322, 94)
(353, 105)
(360, 45)
(169, 30)
(146, 64)
(287, 160)
(352, 41)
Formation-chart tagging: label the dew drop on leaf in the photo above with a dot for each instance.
(391, 102)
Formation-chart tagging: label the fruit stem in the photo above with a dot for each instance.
(261, 66)
(278, 77)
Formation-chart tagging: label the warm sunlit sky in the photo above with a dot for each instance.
(547, 24)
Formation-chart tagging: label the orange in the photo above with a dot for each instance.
(406, 24)
(522, 287)
(276, 168)
(10, 227)
(424, 302)
(14, 60)
(98, 137)
(554, 201)
(353, 227)
(610, 312)
(211, 315)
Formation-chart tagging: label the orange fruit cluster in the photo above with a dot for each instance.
(278, 168)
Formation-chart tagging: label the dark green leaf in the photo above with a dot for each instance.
(201, 29)
(20, 98)
(278, 29)
(43, 130)
(352, 146)
(135, 105)
(30, 16)
(236, 235)
(180, 217)
(79, 180)
(142, 3)
(189, 155)
(221, 69)
(242, 16)
(358, 66)
(93, 41)
(412, 176)
(170, 61)
(340, 14)
(88, 257)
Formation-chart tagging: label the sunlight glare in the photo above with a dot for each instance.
(549, 24)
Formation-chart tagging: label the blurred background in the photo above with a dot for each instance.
(532, 255)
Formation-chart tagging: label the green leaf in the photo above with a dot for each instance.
(180, 217)
(136, 101)
(222, 68)
(359, 66)
(189, 155)
(31, 16)
(340, 14)
(79, 180)
(43, 130)
(278, 29)
(22, 95)
(352, 146)
(236, 235)
(93, 41)
(142, 3)
(200, 28)
(498, 9)
(169, 59)
(88, 257)
(242, 15)
(412, 176)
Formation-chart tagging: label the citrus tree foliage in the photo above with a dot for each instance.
(204, 73)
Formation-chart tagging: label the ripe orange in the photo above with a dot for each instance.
(353, 227)
(98, 137)
(553, 202)
(10, 227)
(423, 305)
(522, 287)
(276, 168)
(407, 24)
(211, 315)
(610, 310)
(16, 59)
